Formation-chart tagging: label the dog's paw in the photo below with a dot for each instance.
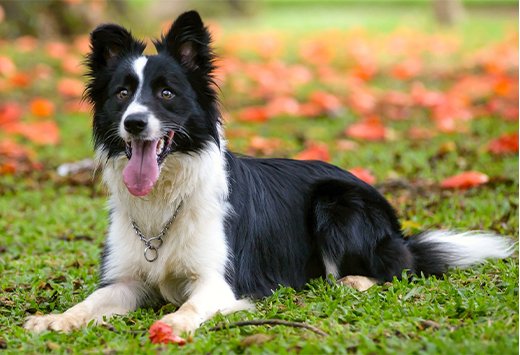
(360, 283)
(182, 322)
(57, 322)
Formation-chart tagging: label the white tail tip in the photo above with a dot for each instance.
(464, 249)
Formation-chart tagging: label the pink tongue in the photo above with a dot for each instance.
(142, 170)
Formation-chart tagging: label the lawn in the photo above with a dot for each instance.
(382, 92)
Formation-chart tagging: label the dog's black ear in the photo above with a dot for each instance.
(108, 43)
(188, 41)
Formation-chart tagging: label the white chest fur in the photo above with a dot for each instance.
(195, 244)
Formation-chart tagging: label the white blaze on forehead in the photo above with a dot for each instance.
(138, 66)
(135, 107)
(154, 125)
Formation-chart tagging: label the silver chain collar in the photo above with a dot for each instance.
(149, 247)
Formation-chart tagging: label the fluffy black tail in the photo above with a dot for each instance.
(435, 252)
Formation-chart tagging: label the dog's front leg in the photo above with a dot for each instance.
(117, 298)
(209, 295)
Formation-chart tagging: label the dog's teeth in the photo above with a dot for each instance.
(160, 146)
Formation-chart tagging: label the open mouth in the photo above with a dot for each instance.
(144, 160)
(162, 147)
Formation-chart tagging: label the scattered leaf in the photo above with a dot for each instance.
(326, 101)
(505, 144)
(10, 112)
(41, 107)
(465, 180)
(70, 87)
(253, 114)
(370, 129)
(44, 132)
(264, 146)
(7, 66)
(363, 174)
(162, 333)
(314, 151)
(346, 145)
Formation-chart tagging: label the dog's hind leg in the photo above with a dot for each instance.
(357, 232)
(117, 298)
(360, 283)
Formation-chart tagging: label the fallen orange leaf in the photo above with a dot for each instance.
(264, 146)
(407, 69)
(45, 132)
(505, 144)
(253, 114)
(11, 149)
(70, 87)
(309, 109)
(42, 107)
(465, 180)
(7, 66)
(370, 129)
(162, 333)
(283, 105)
(10, 112)
(325, 100)
(20, 80)
(363, 174)
(314, 151)
(71, 64)
(345, 145)
(26, 43)
(56, 49)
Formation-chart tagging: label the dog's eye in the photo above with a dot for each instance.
(122, 94)
(167, 94)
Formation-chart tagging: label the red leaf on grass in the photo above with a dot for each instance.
(407, 69)
(282, 105)
(162, 333)
(370, 129)
(264, 146)
(314, 151)
(253, 114)
(361, 100)
(45, 132)
(42, 107)
(71, 64)
(363, 174)
(11, 149)
(505, 144)
(20, 80)
(56, 49)
(7, 66)
(70, 87)
(10, 113)
(325, 100)
(465, 180)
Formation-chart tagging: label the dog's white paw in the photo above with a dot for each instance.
(360, 283)
(183, 321)
(58, 322)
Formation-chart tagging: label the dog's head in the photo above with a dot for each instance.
(147, 107)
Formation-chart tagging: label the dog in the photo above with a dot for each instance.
(209, 231)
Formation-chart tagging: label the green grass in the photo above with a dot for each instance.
(53, 229)
(53, 233)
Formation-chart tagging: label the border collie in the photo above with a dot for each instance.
(200, 227)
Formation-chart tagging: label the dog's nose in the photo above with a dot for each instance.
(136, 123)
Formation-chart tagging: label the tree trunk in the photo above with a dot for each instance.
(448, 12)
